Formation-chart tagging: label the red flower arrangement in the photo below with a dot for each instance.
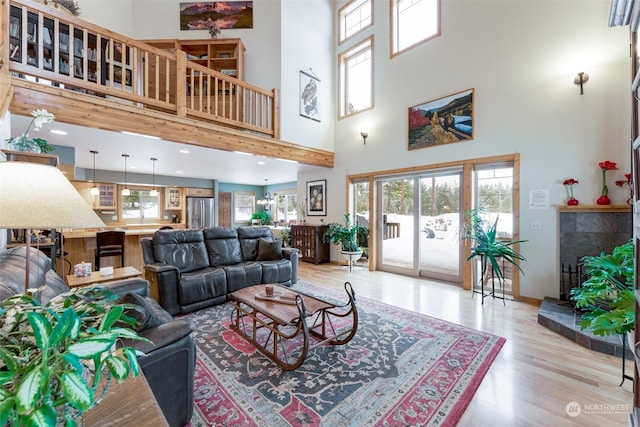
(605, 166)
(572, 200)
(622, 182)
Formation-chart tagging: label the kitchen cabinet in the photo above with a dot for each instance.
(174, 197)
(199, 192)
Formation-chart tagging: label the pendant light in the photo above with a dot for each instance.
(267, 200)
(154, 192)
(95, 191)
(125, 190)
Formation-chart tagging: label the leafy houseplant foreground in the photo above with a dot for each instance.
(57, 360)
(606, 297)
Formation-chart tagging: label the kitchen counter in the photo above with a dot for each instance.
(81, 244)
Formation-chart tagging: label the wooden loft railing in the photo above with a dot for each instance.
(54, 48)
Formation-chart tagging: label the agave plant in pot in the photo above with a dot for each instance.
(347, 236)
(494, 250)
(57, 360)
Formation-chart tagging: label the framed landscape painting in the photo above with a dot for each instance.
(317, 198)
(442, 121)
(226, 14)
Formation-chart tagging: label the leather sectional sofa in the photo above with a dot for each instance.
(194, 269)
(169, 361)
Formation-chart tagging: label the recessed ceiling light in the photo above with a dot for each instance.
(58, 131)
(184, 151)
(178, 171)
(242, 152)
(139, 134)
(261, 163)
(287, 160)
(133, 167)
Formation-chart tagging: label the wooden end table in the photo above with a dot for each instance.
(96, 277)
(280, 327)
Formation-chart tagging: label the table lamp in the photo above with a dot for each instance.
(34, 195)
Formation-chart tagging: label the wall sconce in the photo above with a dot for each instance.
(94, 190)
(581, 79)
(364, 136)
(125, 190)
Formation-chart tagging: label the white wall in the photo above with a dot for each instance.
(307, 44)
(116, 15)
(521, 58)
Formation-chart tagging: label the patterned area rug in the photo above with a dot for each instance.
(401, 369)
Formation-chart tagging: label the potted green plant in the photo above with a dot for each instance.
(607, 296)
(263, 216)
(347, 235)
(285, 235)
(57, 360)
(488, 245)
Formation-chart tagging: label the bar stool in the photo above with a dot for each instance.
(109, 243)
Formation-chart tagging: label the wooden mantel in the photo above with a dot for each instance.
(595, 208)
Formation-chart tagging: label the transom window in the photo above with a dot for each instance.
(140, 205)
(354, 17)
(356, 78)
(413, 22)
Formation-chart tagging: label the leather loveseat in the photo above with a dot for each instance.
(194, 269)
(169, 361)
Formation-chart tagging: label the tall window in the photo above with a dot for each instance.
(354, 17)
(413, 22)
(356, 78)
(140, 205)
(286, 206)
(244, 204)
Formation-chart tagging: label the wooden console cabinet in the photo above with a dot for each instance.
(308, 239)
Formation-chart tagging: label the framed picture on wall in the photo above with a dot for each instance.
(442, 121)
(317, 198)
(309, 85)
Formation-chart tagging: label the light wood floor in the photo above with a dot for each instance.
(537, 372)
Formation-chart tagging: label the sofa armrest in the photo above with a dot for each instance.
(292, 254)
(169, 368)
(163, 335)
(166, 278)
(135, 285)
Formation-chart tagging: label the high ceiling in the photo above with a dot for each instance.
(199, 162)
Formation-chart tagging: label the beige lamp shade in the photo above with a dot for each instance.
(33, 195)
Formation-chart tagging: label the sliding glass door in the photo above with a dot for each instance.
(419, 221)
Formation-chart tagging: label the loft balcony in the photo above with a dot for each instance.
(90, 76)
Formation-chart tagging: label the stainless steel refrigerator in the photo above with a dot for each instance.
(200, 212)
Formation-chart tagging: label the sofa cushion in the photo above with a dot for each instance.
(146, 311)
(184, 249)
(202, 285)
(243, 275)
(269, 249)
(249, 237)
(277, 271)
(223, 246)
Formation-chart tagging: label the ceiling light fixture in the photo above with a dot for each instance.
(364, 136)
(125, 190)
(154, 192)
(267, 200)
(95, 191)
(58, 132)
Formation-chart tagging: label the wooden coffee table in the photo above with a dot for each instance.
(281, 328)
(96, 277)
